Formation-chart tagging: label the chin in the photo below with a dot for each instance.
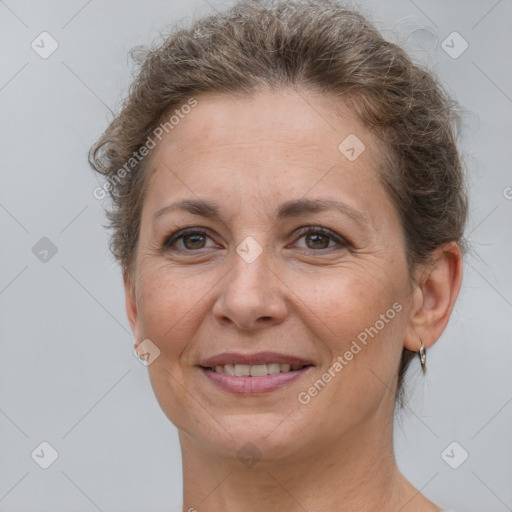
(265, 437)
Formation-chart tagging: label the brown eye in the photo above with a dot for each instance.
(320, 239)
(317, 241)
(187, 240)
(194, 241)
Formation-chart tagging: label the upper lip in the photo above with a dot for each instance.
(250, 359)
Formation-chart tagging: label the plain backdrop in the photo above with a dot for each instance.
(68, 376)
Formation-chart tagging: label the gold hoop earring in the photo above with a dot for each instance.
(422, 353)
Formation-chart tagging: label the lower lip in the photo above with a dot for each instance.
(252, 385)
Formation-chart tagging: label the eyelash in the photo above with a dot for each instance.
(179, 235)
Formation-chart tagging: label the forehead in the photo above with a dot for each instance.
(269, 145)
(283, 117)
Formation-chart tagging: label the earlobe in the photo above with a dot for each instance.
(435, 296)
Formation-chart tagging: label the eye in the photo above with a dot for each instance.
(318, 239)
(190, 240)
(195, 239)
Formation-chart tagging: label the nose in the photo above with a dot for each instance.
(251, 296)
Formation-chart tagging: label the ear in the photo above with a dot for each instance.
(131, 309)
(434, 297)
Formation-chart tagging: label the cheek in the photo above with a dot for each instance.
(343, 303)
(171, 306)
(358, 321)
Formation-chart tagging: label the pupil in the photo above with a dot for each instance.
(317, 236)
(195, 239)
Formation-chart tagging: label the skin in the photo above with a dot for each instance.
(304, 295)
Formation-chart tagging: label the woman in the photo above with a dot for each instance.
(288, 211)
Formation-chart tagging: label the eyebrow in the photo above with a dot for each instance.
(292, 208)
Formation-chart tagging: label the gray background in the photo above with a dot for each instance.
(67, 372)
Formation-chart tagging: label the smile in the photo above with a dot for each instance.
(259, 373)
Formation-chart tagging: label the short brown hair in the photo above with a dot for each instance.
(317, 45)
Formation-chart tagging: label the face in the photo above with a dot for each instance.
(277, 291)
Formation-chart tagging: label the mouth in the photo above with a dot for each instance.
(255, 373)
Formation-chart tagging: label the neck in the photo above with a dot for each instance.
(355, 473)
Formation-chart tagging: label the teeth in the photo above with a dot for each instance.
(242, 370)
(273, 368)
(255, 370)
(258, 370)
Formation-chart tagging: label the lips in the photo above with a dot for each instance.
(253, 373)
